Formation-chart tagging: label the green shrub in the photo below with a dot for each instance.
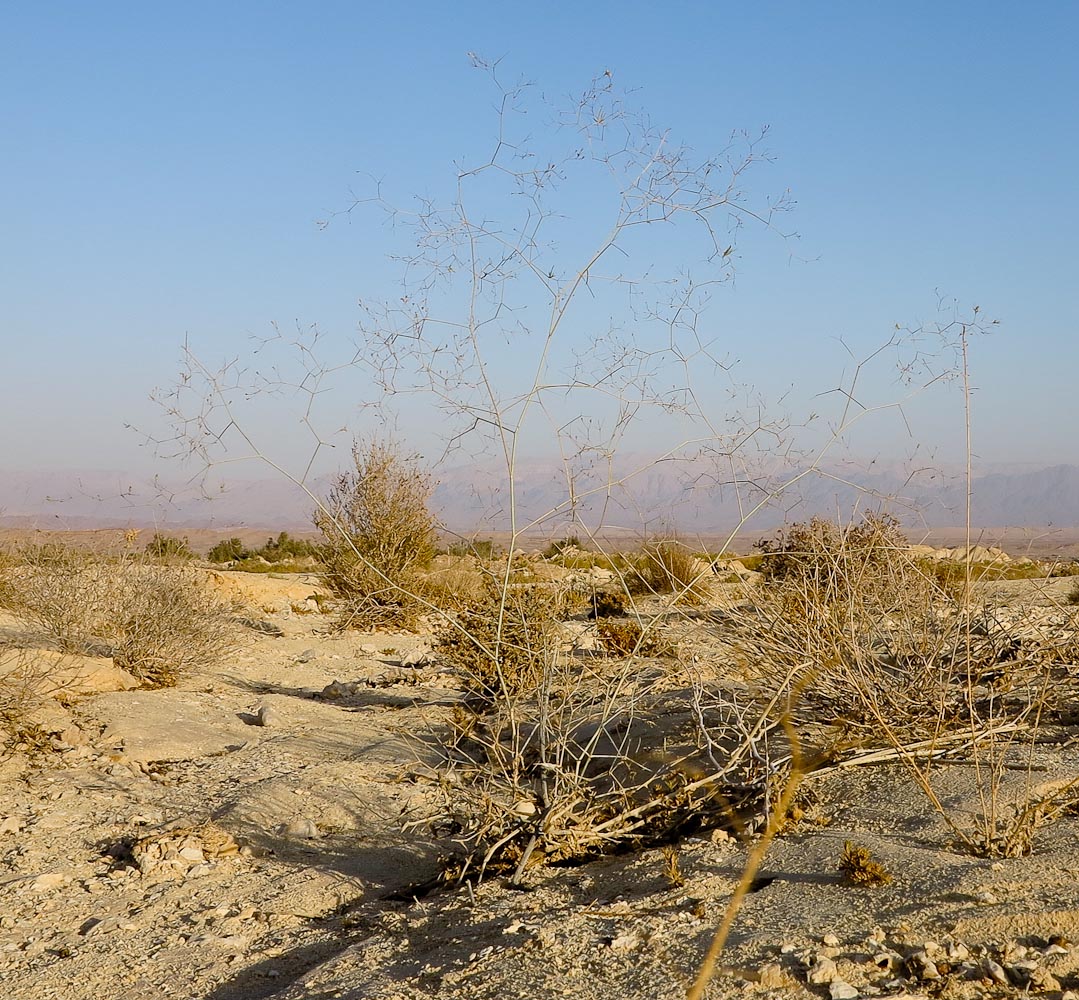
(168, 547)
(556, 548)
(228, 551)
(481, 548)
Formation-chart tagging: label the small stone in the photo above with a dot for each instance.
(47, 881)
(11, 824)
(995, 971)
(985, 896)
(416, 658)
(957, 951)
(302, 829)
(838, 989)
(267, 717)
(822, 972)
(771, 976)
(887, 961)
(830, 940)
(308, 654)
(626, 941)
(922, 967)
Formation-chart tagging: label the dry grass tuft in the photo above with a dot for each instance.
(668, 566)
(672, 867)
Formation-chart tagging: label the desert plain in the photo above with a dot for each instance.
(259, 830)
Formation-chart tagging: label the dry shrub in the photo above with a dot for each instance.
(379, 535)
(668, 566)
(167, 623)
(65, 591)
(502, 643)
(628, 638)
(454, 582)
(846, 609)
(606, 603)
(582, 766)
(156, 621)
(859, 867)
(24, 688)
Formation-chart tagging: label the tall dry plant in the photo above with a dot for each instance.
(379, 535)
(494, 329)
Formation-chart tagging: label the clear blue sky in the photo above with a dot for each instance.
(164, 166)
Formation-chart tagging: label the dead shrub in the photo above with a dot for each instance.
(26, 686)
(846, 608)
(65, 591)
(859, 867)
(156, 621)
(379, 535)
(454, 583)
(501, 644)
(167, 622)
(628, 638)
(668, 566)
(606, 603)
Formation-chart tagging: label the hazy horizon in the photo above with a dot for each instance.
(166, 176)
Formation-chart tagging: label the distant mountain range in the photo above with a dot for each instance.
(689, 497)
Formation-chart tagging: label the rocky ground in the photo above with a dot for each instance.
(242, 836)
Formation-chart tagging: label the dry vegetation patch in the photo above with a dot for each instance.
(156, 620)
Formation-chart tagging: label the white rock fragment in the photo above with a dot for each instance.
(47, 881)
(830, 940)
(626, 941)
(771, 976)
(267, 717)
(839, 989)
(301, 829)
(921, 966)
(822, 972)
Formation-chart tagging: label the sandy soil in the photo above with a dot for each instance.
(174, 846)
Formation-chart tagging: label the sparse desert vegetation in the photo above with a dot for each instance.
(606, 654)
(643, 746)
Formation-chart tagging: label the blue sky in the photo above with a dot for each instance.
(164, 168)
